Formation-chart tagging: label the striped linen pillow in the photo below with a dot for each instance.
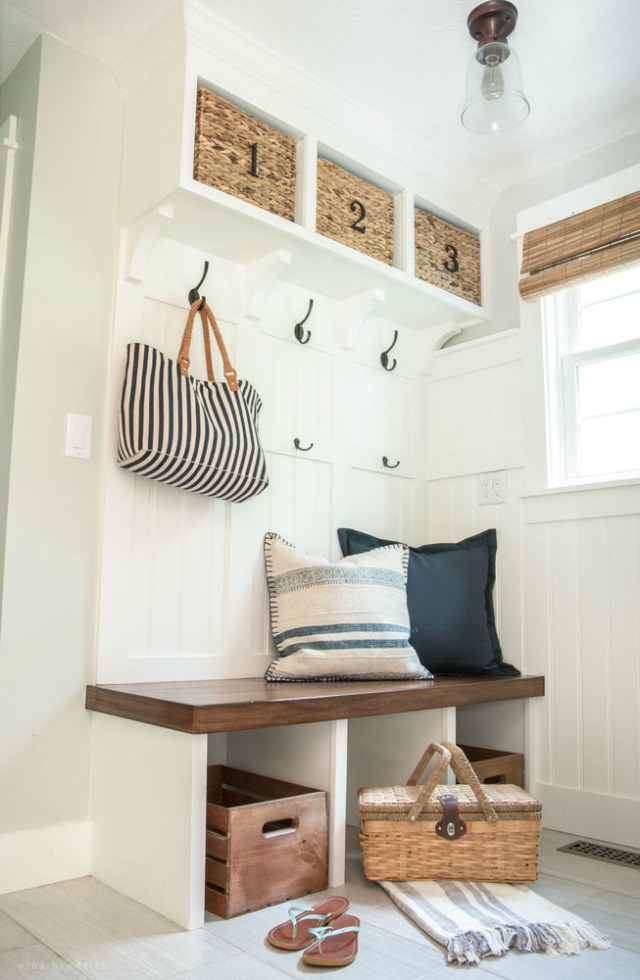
(343, 621)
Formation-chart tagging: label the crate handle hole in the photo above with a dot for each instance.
(276, 828)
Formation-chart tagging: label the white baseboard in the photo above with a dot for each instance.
(612, 819)
(29, 858)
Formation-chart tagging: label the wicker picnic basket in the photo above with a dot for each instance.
(466, 832)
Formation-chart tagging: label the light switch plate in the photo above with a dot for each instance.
(78, 441)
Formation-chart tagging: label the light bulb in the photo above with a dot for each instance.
(492, 85)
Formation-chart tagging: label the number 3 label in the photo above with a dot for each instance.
(453, 265)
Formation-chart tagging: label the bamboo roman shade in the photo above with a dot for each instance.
(581, 247)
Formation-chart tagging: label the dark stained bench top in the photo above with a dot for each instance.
(240, 704)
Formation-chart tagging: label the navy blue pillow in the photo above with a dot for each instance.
(450, 599)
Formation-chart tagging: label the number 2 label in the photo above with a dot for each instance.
(358, 206)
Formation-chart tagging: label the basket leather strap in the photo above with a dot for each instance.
(208, 320)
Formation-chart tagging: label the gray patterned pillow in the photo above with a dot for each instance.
(338, 622)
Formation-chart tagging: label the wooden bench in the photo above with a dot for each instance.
(151, 751)
(234, 705)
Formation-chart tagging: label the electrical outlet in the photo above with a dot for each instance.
(492, 488)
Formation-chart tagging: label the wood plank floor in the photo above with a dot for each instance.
(82, 929)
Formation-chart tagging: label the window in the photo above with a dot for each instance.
(592, 357)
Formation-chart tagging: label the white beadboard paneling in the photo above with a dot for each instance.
(300, 495)
(475, 421)
(243, 570)
(164, 566)
(565, 664)
(474, 418)
(379, 408)
(382, 504)
(623, 575)
(297, 392)
(594, 678)
(582, 628)
(538, 644)
(206, 544)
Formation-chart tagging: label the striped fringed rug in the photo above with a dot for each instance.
(474, 920)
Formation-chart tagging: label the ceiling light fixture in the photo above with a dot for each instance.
(495, 100)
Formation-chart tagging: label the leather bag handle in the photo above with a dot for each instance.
(455, 757)
(208, 321)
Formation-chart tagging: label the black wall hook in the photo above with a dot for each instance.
(194, 293)
(298, 332)
(390, 466)
(384, 357)
(303, 449)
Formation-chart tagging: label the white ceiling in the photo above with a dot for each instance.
(406, 60)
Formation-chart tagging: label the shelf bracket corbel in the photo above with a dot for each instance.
(352, 314)
(140, 238)
(260, 276)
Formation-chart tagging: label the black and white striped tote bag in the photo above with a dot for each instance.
(197, 435)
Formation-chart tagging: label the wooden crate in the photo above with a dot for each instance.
(495, 765)
(447, 256)
(266, 841)
(244, 156)
(353, 211)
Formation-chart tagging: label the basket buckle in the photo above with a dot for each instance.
(451, 827)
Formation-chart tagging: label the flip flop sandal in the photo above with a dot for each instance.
(337, 943)
(297, 933)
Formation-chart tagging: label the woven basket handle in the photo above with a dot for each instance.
(455, 757)
(440, 769)
(438, 773)
(466, 774)
(208, 320)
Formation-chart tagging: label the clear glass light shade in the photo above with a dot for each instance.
(495, 100)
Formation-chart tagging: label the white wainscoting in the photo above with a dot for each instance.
(183, 588)
(582, 632)
(567, 597)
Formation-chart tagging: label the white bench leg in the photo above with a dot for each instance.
(149, 814)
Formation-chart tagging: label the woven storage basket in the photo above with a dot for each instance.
(244, 156)
(447, 256)
(398, 827)
(353, 211)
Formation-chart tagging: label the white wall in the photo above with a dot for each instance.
(61, 312)
(568, 594)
